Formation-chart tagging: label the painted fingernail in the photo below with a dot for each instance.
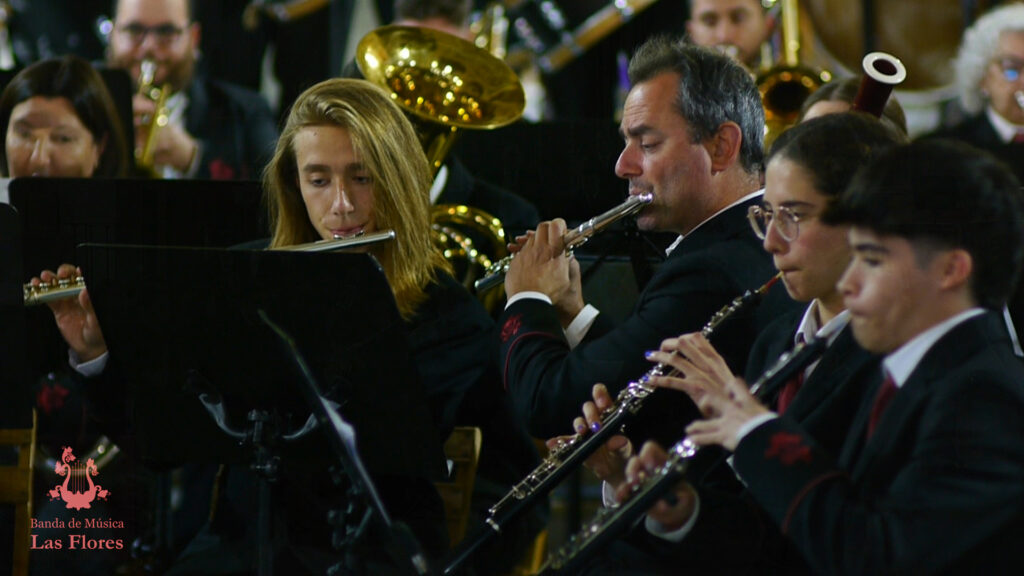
(645, 378)
(649, 353)
(595, 426)
(580, 428)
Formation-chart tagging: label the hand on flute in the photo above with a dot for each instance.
(673, 510)
(541, 265)
(75, 317)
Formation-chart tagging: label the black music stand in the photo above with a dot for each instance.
(58, 214)
(15, 385)
(185, 323)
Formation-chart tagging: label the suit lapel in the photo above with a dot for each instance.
(834, 369)
(952, 350)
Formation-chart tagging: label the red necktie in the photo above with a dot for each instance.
(792, 386)
(882, 399)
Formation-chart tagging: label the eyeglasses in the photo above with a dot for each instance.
(1010, 67)
(164, 34)
(787, 224)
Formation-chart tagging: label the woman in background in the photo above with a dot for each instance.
(59, 120)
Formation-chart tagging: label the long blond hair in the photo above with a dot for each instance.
(387, 146)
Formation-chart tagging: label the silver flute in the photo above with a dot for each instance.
(608, 523)
(569, 454)
(60, 289)
(573, 238)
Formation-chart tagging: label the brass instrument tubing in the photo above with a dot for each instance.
(573, 238)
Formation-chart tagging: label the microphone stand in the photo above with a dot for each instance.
(400, 544)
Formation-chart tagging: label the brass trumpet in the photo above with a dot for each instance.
(72, 287)
(572, 239)
(161, 116)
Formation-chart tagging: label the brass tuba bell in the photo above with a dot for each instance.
(442, 82)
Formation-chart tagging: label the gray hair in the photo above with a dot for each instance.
(712, 90)
(979, 45)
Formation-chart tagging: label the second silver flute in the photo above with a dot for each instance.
(573, 238)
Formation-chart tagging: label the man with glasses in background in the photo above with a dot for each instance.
(215, 130)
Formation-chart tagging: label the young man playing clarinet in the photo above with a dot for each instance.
(930, 477)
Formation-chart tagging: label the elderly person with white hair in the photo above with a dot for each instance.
(990, 83)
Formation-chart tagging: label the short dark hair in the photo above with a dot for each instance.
(832, 147)
(454, 11)
(712, 90)
(845, 90)
(74, 79)
(947, 195)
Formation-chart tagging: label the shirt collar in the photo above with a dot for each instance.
(809, 328)
(902, 362)
(1003, 127)
(748, 197)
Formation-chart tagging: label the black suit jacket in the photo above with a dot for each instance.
(939, 488)
(979, 132)
(235, 127)
(731, 520)
(548, 382)
(829, 398)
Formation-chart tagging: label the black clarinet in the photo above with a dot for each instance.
(609, 523)
(569, 454)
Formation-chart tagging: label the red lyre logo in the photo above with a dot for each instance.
(78, 490)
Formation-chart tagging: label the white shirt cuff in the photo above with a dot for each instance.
(677, 535)
(749, 425)
(91, 368)
(527, 295)
(580, 325)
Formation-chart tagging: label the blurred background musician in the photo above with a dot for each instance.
(59, 120)
(692, 126)
(736, 27)
(990, 86)
(808, 168)
(216, 130)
